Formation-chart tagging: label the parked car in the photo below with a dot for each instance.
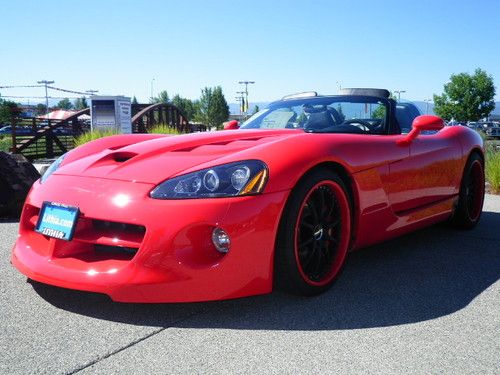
(281, 201)
(21, 130)
(490, 128)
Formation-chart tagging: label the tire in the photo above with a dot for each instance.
(314, 235)
(16, 177)
(471, 197)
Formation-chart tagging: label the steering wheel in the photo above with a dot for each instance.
(363, 125)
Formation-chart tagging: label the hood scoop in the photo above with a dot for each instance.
(112, 159)
(121, 157)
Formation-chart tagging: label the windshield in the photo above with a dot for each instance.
(337, 114)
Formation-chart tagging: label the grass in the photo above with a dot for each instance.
(96, 134)
(493, 168)
(164, 129)
(92, 136)
(492, 163)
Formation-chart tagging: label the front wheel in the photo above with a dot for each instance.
(314, 235)
(471, 196)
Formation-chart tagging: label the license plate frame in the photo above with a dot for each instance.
(57, 220)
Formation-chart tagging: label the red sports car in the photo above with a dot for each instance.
(279, 201)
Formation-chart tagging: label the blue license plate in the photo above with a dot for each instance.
(57, 220)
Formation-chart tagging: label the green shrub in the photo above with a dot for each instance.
(93, 135)
(164, 129)
(5, 143)
(96, 134)
(493, 169)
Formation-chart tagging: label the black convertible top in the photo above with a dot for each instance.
(379, 93)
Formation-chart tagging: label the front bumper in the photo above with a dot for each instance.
(169, 255)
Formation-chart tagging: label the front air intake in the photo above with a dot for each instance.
(128, 251)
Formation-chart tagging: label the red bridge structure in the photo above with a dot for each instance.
(38, 138)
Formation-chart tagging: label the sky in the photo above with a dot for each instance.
(128, 47)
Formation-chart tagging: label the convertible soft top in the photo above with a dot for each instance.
(379, 93)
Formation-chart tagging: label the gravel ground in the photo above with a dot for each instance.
(425, 303)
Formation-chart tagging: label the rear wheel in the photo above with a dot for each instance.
(471, 197)
(314, 235)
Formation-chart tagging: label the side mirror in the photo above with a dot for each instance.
(232, 125)
(421, 123)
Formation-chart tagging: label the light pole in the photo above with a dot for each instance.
(399, 94)
(240, 102)
(246, 83)
(427, 101)
(45, 83)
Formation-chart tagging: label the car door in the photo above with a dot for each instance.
(431, 172)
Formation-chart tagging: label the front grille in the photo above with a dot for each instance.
(115, 249)
(100, 238)
(118, 227)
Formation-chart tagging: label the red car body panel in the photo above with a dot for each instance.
(395, 189)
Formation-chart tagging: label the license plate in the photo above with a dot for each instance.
(57, 220)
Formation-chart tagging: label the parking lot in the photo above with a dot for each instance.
(425, 303)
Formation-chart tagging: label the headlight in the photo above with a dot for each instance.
(52, 168)
(228, 180)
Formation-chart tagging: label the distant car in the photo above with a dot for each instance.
(279, 201)
(21, 130)
(490, 128)
(6, 130)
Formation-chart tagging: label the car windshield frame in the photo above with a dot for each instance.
(352, 126)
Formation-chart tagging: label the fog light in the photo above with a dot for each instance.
(221, 240)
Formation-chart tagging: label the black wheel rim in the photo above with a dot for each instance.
(318, 234)
(474, 190)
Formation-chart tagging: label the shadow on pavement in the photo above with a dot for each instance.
(422, 276)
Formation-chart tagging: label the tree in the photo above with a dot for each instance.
(41, 109)
(213, 108)
(161, 98)
(64, 104)
(81, 103)
(466, 97)
(187, 106)
(8, 109)
(379, 112)
(134, 100)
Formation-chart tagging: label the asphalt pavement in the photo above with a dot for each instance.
(425, 303)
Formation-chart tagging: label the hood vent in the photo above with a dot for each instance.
(223, 143)
(121, 157)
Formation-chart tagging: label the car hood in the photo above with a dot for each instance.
(154, 160)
